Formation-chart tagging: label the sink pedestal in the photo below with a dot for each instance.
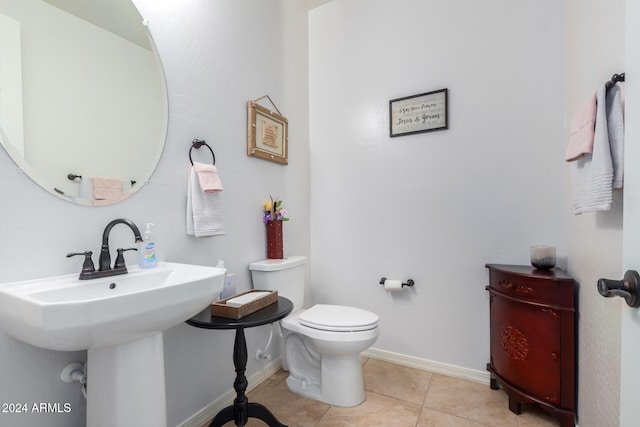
(125, 384)
(119, 320)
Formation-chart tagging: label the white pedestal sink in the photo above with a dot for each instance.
(119, 320)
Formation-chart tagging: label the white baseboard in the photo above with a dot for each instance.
(209, 411)
(429, 365)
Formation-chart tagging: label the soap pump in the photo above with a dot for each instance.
(148, 249)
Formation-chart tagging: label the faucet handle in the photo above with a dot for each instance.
(120, 258)
(87, 266)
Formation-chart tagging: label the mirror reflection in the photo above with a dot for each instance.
(83, 103)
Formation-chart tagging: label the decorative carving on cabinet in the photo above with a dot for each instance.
(555, 398)
(514, 343)
(552, 312)
(506, 285)
(520, 289)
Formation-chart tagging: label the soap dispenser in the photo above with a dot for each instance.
(148, 249)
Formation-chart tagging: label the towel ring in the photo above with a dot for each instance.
(197, 143)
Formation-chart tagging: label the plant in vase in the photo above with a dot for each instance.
(273, 211)
(273, 215)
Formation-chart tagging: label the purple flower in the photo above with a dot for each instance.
(273, 211)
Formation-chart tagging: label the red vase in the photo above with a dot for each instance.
(274, 240)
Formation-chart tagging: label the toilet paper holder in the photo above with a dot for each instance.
(409, 282)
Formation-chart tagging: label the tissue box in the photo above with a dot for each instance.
(221, 309)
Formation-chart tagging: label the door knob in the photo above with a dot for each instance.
(626, 288)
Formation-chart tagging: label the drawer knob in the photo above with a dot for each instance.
(626, 288)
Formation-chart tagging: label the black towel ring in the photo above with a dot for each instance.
(197, 143)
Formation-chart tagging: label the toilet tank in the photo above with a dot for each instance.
(283, 275)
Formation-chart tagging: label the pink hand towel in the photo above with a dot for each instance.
(582, 130)
(107, 188)
(208, 176)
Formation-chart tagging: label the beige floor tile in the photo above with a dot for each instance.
(376, 411)
(279, 376)
(534, 416)
(470, 400)
(397, 381)
(290, 409)
(266, 383)
(433, 418)
(394, 398)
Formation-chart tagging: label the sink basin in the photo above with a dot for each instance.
(119, 320)
(64, 313)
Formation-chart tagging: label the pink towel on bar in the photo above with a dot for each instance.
(107, 188)
(208, 177)
(582, 130)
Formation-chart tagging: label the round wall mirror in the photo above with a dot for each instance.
(83, 100)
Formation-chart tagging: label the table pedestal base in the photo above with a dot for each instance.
(242, 410)
(254, 410)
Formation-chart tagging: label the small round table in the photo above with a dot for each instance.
(242, 410)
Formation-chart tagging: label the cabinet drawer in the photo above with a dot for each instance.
(543, 287)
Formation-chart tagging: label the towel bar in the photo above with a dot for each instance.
(72, 177)
(614, 79)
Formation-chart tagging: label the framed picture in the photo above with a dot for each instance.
(267, 134)
(424, 112)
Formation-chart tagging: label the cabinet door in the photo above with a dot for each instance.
(525, 346)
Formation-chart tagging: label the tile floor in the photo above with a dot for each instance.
(399, 396)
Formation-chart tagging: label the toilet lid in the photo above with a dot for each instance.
(338, 318)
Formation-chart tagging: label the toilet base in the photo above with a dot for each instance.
(341, 382)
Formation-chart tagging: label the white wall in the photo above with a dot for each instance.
(595, 50)
(434, 207)
(213, 65)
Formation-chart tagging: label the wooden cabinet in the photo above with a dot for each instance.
(532, 330)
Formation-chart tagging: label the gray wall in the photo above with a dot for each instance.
(595, 50)
(434, 207)
(217, 56)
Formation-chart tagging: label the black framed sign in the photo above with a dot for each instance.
(424, 112)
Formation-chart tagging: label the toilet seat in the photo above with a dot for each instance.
(338, 318)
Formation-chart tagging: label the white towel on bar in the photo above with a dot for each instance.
(615, 130)
(592, 176)
(86, 188)
(204, 210)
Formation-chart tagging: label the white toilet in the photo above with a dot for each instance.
(322, 344)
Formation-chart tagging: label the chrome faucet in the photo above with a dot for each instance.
(105, 257)
(104, 268)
